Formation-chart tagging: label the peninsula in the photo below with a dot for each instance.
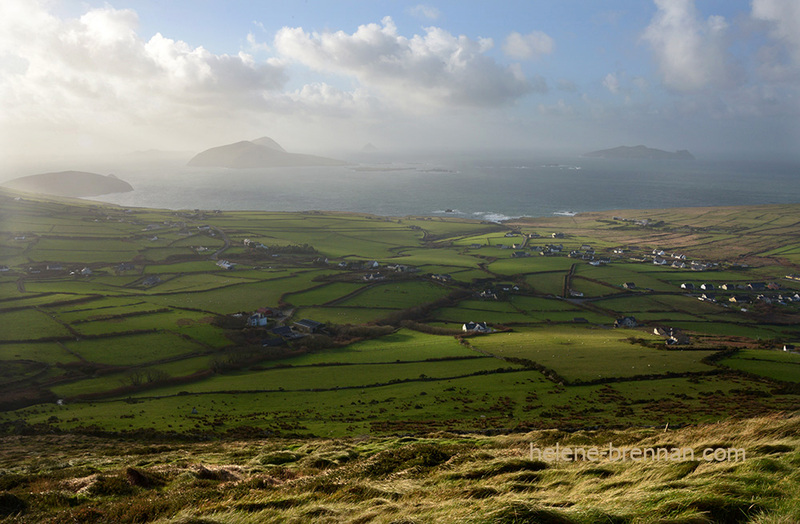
(263, 152)
(70, 184)
(641, 152)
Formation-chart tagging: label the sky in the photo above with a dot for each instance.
(717, 77)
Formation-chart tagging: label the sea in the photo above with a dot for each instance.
(492, 188)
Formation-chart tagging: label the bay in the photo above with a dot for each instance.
(479, 186)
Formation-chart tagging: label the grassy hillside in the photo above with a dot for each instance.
(728, 472)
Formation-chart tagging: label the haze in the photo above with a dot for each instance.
(96, 78)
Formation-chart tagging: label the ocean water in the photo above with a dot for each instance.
(479, 187)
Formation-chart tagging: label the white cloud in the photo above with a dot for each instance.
(785, 17)
(690, 52)
(424, 11)
(95, 72)
(436, 68)
(525, 47)
(780, 61)
(611, 82)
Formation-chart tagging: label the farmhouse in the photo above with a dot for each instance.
(558, 235)
(257, 320)
(629, 285)
(789, 347)
(476, 327)
(151, 281)
(443, 277)
(708, 297)
(86, 271)
(660, 261)
(308, 326)
(520, 254)
(679, 265)
(626, 322)
(688, 286)
(740, 299)
(756, 286)
(707, 287)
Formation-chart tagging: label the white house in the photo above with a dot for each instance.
(475, 327)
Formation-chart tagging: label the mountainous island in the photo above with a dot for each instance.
(70, 184)
(641, 152)
(263, 152)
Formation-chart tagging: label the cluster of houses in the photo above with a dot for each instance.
(36, 270)
(278, 335)
(756, 294)
(643, 222)
(491, 293)
(678, 261)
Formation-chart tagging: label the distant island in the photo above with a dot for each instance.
(263, 152)
(70, 184)
(637, 152)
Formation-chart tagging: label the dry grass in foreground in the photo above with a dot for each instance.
(435, 478)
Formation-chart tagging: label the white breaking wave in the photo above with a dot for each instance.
(490, 216)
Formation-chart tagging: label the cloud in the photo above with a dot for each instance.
(99, 60)
(95, 72)
(567, 85)
(780, 61)
(424, 11)
(611, 82)
(526, 47)
(690, 53)
(560, 108)
(436, 68)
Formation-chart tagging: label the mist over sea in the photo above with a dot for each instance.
(484, 188)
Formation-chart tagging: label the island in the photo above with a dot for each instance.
(263, 152)
(641, 152)
(70, 184)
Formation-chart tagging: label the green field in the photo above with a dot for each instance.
(771, 364)
(389, 357)
(590, 354)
